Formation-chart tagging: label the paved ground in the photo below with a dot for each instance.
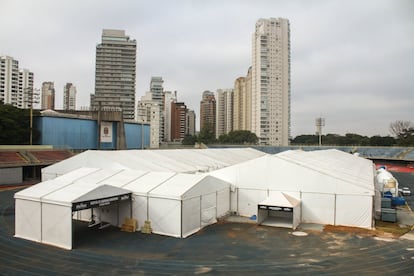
(224, 248)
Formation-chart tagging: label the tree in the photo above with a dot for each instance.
(404, 131)
(238, 137)
(386, 141)
(15, 125)
(189, 140)
(207, 135)
(401, 129)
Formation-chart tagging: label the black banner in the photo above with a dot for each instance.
(276, 208)
(99, 202)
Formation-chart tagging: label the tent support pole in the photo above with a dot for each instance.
(41, 221)
(181, 218)
(216, 204)
(117, 214)
(130, 207)
(335, 209)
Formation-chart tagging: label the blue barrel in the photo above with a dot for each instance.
(398, 201)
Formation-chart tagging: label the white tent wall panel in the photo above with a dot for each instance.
(165, 216)
(84, 215)
(234, 194)
(318, 208)
(354, 211)
(223, 202)
(208, 209)
(191, 221)
(124, 211)
(57, 225)
(248, 200)
(108, 214)
(28, 219)
(297, 210)
(139, 209)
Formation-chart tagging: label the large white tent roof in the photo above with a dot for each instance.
(66, 189)
(180, 160)
(323, 171)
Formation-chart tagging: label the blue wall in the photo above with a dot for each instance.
(82, 133)
(67, 132)
(133, 135)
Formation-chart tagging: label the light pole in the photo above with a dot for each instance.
(319, 122)
(30, 91)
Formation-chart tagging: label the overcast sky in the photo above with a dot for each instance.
(352, 62)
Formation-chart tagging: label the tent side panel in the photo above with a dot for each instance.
(57, 225)
(233, 199)
(139, 209)
(353, 210)
(165, 216)
(223, 202)
(318, 208)
(296, 216)
(28, 219)
(208, 209)
(248, 200)
(191, 216)
(124, 211)
(83, 215)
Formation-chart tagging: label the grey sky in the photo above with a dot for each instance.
(352, 62)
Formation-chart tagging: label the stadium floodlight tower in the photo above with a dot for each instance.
(319, 123)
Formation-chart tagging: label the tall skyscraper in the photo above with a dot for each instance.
(149, 112)
(115, 73)
(178, 121)
(69, 97)
(242, 102)
(157, 96)
(25, 96)
(16, 85)
(169, 99)
(48, 95)
(224, 111)
(208, 111)
(191, 123)
(9, 80)
(271, 81)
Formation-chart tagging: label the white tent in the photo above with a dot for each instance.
(176, 204)
(183, 160)
(44, 211)
(333, 187)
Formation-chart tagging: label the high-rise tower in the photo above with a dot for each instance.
(271, 81)
(48, 95)
(115, 73)
(208, 111)
(69, 97)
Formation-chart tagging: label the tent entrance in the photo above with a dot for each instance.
(98, 209)
(281, 210)
(276, 216)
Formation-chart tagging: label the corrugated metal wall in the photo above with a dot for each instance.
(81, 134)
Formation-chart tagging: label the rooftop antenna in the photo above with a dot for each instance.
(319, 123)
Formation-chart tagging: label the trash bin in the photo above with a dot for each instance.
(385, 202)
(388, 214)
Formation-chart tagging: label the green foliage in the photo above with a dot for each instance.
(238, 137)
(350, 139)
(207, 135)
(15, 125)
(189, 140)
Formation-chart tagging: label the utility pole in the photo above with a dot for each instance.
(319, 122)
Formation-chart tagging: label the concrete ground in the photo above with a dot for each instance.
(221, 249)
